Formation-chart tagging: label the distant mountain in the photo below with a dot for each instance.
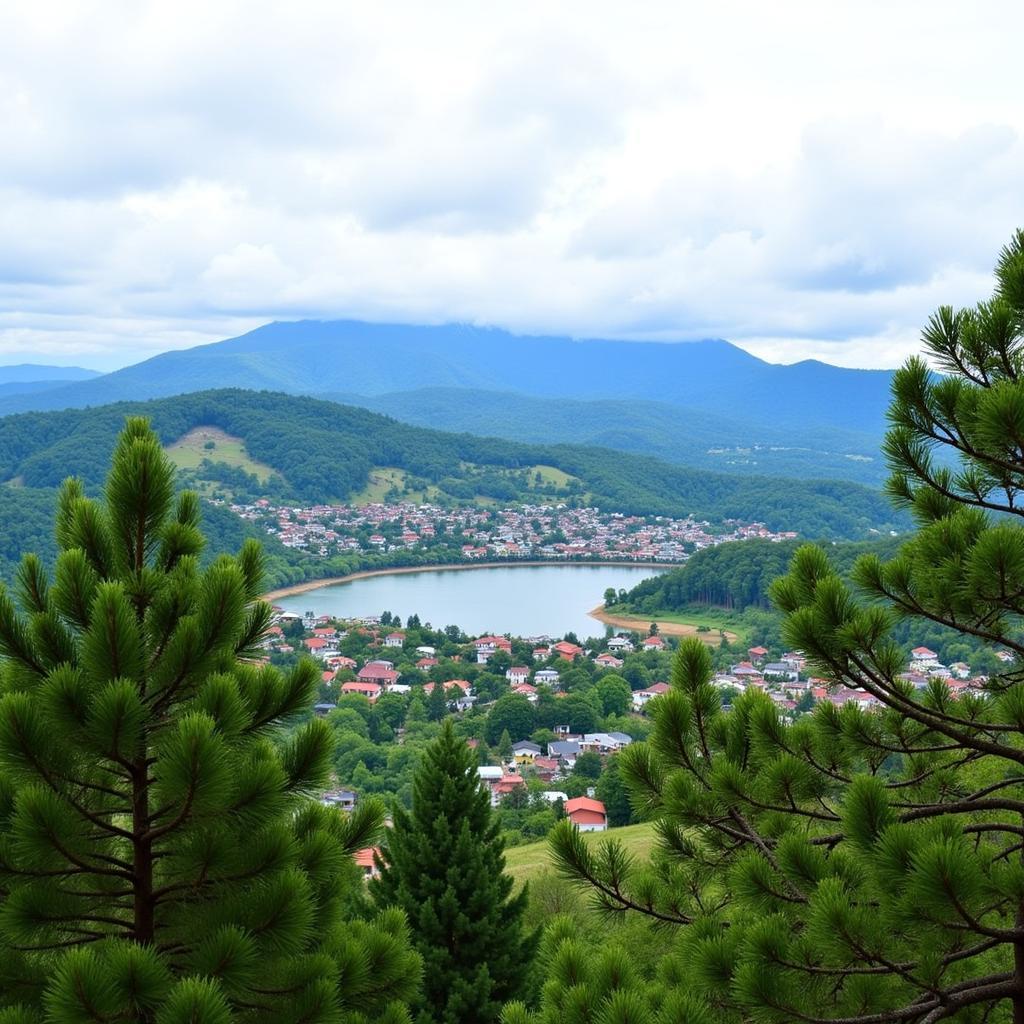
(685, 436)
(319, 451)
(314, 357)
(40, 372)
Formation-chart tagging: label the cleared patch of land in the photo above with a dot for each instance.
(386, 482)
(200, 443)
(668, 625)
(526, 862)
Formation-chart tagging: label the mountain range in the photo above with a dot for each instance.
(704, 404)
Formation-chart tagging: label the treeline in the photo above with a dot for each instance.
(737, 575)
(325, 452)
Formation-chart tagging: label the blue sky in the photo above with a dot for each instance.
(803, 179)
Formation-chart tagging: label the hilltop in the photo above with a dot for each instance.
(316, 451)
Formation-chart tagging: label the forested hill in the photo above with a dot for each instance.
(727, 441)
(320, 451)
(737, 576)
(312, 357)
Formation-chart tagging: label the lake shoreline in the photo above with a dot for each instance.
(637, 623)
(304, 588)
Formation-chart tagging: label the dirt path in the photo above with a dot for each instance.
(641, 625)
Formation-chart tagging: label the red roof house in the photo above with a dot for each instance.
(586, 814)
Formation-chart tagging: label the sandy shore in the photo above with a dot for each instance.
(641, 625)
(305, 588)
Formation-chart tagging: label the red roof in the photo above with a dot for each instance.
(583, 803)
(314, 643)
(757, 651)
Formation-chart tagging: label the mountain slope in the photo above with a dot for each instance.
(40, 372)
(323, 451)
(687, 437)
(313, 357)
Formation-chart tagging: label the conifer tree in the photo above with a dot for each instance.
(161, 859)
(437, 703)
(444, 865)
(863, 866)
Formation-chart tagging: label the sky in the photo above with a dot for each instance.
(806, 180)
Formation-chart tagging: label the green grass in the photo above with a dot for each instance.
(533, 859)
(188, 452)
(552, 476)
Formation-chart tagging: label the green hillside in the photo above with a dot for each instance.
(725, 442)
(318, 451)
(533, 859)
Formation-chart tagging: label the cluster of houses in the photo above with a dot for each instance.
(785, 681)
(526, 531)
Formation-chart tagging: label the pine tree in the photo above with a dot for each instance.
(437, 703)
(444, 866)
(860, 865)
(505, 746)
(161, 859)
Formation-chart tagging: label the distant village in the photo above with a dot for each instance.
(392, 661)
(475, 533)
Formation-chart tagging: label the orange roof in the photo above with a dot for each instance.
(364, 857)
(584, 803)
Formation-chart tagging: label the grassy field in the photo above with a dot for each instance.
(526, 862)
(677, 624)
(213, 444)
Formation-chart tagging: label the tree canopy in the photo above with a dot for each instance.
(861, 865)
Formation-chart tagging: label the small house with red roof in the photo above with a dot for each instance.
(654, 643)
(642, 697)
(517, 674)
(394, 640)
(587, 814)
(366, 861)
(564, 649)
(607, 660)
(371, 691)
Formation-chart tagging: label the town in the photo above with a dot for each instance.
(473, 532)
(545, 715)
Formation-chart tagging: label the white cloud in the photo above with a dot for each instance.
(807, 180)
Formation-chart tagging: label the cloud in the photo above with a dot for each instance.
(808, 182)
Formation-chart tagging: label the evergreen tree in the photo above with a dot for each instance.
(862, 866)
(437, 703)
(505, 746)
(161, 859)
(444, 866)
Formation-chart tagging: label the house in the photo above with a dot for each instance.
(379, 672)
(780, 671)
(545, 768)
(517, 674)
(586, 814)
(346, 799)
(424, 663)
(323, 710)
(394, 640)
(923, 654)
(620, 645)
(554, 795)
(608, 661)
(315, 644)
(541, 653)
(458, 684)
(641, 697)
(564, 649)
(366, 859)
(605, 742)
(508, 783)
(566, 751)
(426, 651)
(528, 691)
(654, 643)
(757, 653)
(547, 676)
(340, 661)
(499, 782)
(371, 691)
(525, 751)
(488, 645)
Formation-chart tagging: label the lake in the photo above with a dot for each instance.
(521, 600)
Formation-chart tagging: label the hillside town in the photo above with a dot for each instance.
(470, 533)
(572, 700)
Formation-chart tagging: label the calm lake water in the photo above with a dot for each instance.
(521, 600)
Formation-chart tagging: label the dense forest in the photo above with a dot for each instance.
(322, 451)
